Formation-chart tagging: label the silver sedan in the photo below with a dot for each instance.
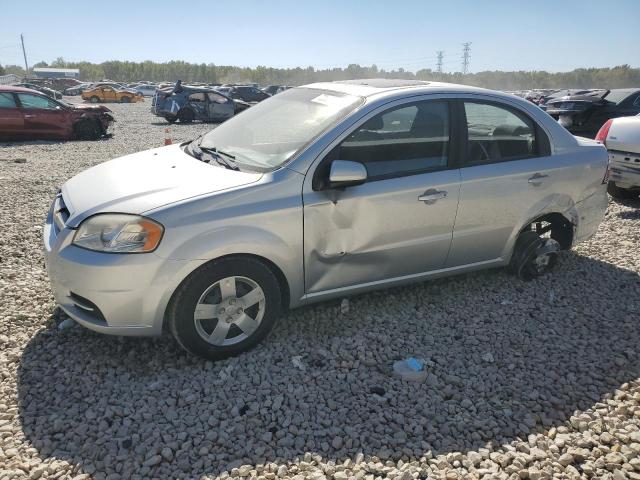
(322, 191)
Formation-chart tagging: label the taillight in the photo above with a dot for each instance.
(601, 136)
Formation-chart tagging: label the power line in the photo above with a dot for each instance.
(439, 64)
(466, 48)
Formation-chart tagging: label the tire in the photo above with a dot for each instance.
(622, 193)
(526, 262)
(186, 116)
(203, 288)
(88, 130)
(94, 99)
(125, 99)
(171, 119)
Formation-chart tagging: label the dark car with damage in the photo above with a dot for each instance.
(186, 103)
(27, 114)
(584, 114)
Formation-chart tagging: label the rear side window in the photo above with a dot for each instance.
(406, 140)
(7, 100)
(498, 134)
(35, 101)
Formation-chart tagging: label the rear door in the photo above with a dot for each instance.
(43, 116)
(11, 118)
(397, 224)
(219, 107)
(507, 171)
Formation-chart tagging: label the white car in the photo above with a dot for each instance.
(621, 136)
(146, 90)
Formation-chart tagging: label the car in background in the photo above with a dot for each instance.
(585, 113)
(49, 92)
(319, 192)
(186, 103)
(621, 136)
(27, 114)
(77, 89)
(247, 93)
(107, 93)
(146, 90)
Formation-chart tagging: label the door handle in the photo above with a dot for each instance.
(432, 196)
(537, 179)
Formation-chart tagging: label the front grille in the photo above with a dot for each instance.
(60, 212)
(88, 307)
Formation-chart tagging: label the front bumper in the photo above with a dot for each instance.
(117, 294)
(624, 169)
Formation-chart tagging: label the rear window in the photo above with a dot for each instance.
(7, 100)
(617, 96)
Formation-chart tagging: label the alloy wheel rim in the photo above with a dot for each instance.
(229, 311)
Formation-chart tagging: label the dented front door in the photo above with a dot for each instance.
(379, 230)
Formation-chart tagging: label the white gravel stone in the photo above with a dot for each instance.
(526, 380)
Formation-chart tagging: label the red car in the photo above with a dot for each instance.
(28, 115)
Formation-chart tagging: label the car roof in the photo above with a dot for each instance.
(392, 87)
(14, 89)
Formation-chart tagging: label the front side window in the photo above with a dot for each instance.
(28, 100)
(196, 97)
(7, 100)
(405, 140)
(497, 134)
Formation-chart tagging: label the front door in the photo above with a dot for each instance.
(109, 94)
(399, 222)
(43, 116)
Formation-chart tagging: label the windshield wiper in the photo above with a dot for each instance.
(218, 157)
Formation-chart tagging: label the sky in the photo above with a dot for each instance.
(552, 35)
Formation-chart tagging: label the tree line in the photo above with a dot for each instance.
(622, 76)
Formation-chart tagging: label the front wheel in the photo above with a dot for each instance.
(225, 307)
(617, 192)
(94, 99)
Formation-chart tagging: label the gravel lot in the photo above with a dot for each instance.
(527, 380)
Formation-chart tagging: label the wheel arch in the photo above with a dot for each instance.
(283, 283)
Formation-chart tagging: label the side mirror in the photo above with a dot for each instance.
(344, 173)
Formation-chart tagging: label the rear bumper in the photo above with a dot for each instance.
(590, 213)
(624, 169)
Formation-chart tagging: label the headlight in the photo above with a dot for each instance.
(118, 233)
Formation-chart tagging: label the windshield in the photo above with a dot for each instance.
(616, 96)
(271, 132)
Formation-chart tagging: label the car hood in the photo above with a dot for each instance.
(91, 108)
(144, 181)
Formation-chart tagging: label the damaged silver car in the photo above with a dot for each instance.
(319, 192)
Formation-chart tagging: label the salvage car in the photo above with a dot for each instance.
(77, 89)
(247, 93)
(621, 136)
(107, 93)
(583, 114)
(26, 114)
(187, 103)
(319, 192)
(49, 92)
(145, 90)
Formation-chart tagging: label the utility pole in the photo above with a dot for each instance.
(466, 48)
(439, 64)
(26, 65)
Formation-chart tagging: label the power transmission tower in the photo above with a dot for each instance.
(466, 48)
(26, 66)
(439, 64)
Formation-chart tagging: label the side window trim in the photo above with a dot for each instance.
(543, 145)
